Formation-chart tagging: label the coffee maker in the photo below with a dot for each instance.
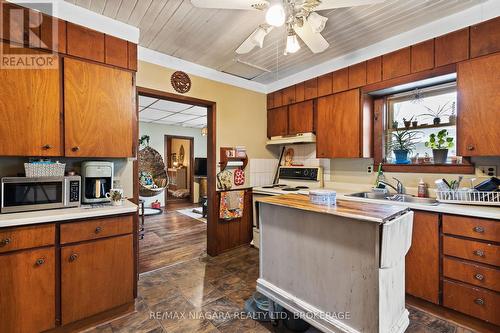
(97, 180)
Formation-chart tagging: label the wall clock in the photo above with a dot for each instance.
(181, 82)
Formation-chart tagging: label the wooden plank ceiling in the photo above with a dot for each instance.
(209, 37)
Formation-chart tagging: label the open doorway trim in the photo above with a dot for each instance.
(166, 139)
(211, 158)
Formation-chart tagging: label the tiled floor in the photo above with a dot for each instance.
(203, 286)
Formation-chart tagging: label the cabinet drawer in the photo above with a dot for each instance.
(26, 237)
(471, 250)
(472, 273)
(94, 229)
(473, 301)
(471, 227)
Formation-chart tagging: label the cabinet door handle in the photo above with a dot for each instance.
(478, 229)
(40, 261)
(479, 301)
(73, 257)
(5, 242)
(479, 253)
(479, 277)
(47, 147)
(470, 147)
(75, 149)
(98, 230)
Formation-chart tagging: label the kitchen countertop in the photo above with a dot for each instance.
(373, 212)
(64, 214)
(465, 210)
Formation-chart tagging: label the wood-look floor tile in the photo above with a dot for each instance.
(238, 325)
(221, 310)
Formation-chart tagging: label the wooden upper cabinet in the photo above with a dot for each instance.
(422, 56)
(374, 70)
(277, 121)
(28, 289)
(340, 80)
(485, 38)
(478, 120)
(300, 117)
(13, 25)
(325, 85)
(396, 64)
(116, 51)
(270, 101)
(53, 34)
(278, 98)
(288, 96)
(96, 276)
(339, 125)
(452, 48)
(99, 110)
(357, 75)
(132, 56)
(85, 43)
(30, 110)
(299, 92)
(311, 88)
(422, 260)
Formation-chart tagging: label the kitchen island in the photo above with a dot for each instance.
(340, 268)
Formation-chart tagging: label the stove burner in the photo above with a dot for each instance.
(302, 187)
(290, 189)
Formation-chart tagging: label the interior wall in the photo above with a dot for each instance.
(241, 113)
(157, 134)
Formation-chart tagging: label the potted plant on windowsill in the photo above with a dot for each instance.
(438, 113)
(440, 143)
(402, 143)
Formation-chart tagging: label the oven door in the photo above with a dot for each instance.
(27, 194)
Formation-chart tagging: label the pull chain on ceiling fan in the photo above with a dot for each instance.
(299, 17)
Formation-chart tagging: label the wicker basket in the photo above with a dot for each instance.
(33, 170)
(151, 162)
(469, 197)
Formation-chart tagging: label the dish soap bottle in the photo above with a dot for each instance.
(422, 189)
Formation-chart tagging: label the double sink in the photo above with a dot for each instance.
(395, 197)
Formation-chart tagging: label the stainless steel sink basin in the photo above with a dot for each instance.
(396, 197)
(369, 195)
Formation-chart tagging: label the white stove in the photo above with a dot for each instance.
(290, 180)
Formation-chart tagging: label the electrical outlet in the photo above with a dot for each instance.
(369, 169)
(487, 170)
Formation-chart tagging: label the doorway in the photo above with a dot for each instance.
(179, 155)
(209, 237)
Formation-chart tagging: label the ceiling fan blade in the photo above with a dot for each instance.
(231, 4)
(314, 40)
(256, 38)
(332, 4)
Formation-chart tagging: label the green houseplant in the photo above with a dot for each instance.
(440, 143)
(437, 113)
(401, 143)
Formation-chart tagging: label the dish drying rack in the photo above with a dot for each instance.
(468, 197)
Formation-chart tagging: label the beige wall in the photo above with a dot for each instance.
(241, 113)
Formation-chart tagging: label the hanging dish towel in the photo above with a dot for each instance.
(231, 204)
(239, 177)
(224, 181)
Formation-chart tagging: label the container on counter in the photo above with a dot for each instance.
(323, 197)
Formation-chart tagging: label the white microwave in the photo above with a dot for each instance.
(23, 194)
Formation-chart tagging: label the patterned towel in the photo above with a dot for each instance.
(231, 204)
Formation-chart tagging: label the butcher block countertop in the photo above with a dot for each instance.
(373, 212)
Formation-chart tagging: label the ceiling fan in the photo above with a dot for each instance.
(300, 18)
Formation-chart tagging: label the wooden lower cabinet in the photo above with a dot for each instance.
(27, 291)
(96, 276)
(422, 260)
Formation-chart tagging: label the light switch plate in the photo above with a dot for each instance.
(487, 170)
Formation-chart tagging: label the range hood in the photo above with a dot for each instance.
(289, 139)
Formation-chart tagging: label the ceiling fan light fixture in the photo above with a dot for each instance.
(258, 36)
(275, 15)
(318, 22)
(292, 44)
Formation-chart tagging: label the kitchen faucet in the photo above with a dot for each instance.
(399, 188)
